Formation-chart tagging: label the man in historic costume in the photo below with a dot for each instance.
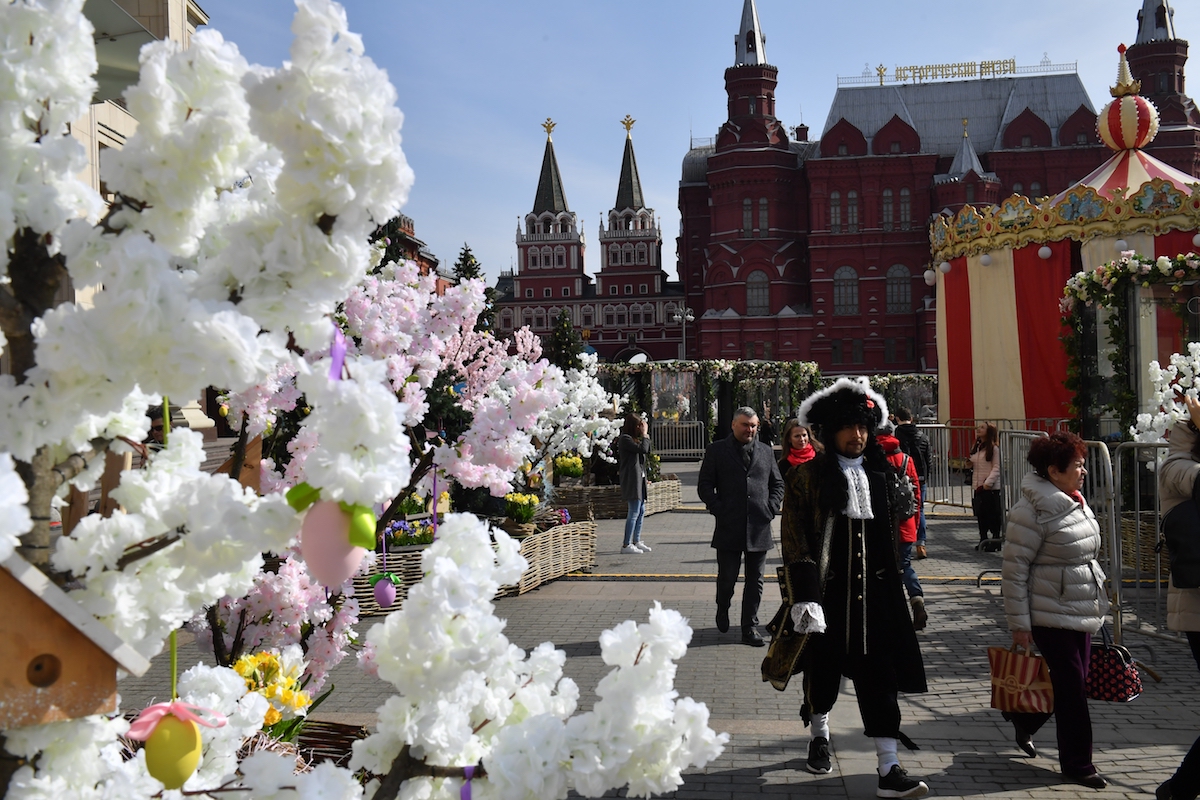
(844, 612)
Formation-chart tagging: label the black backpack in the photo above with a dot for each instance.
(1181, 533)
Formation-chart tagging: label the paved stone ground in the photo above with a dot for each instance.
(966, 749)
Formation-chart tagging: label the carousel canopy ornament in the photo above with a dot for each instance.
(1129, 193)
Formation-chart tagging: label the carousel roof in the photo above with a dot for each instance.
(1129, 169)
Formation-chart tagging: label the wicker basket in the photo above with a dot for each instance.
(604, 502)
(551, 554)
(1139, 537)
(554, 553)
(404, 564)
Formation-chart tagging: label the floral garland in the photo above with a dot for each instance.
(1111, 286)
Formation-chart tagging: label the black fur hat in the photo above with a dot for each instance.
(849, 401)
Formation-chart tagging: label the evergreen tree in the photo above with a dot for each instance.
(467, 267)
(564, 345)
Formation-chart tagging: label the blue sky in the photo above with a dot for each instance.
(475, 80)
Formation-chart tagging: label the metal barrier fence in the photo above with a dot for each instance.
(1138, 577)
(1014, 464)
(683, 439)
(948, 481)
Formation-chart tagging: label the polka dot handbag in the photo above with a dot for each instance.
(1112, 675)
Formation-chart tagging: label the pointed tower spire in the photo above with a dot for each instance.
(550, 194)
(750, 42)
(966, 159)
(1156, 22)
(629, 191)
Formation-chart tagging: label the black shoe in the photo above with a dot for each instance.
(818, 756)
(751, 637)
(723, 620)
(1025, 742)
(897, 784)
(1093, 781)
(920, 617)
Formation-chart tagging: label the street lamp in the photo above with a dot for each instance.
(682, 316)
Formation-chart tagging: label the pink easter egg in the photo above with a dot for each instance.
(385, 593)
(325, 544)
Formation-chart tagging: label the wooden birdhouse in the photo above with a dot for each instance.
(60, 662)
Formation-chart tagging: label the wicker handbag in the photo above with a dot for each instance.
(1020, 681)
(1112, 675)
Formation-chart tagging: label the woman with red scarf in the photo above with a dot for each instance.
(798, 446)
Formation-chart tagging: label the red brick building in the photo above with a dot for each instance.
(794, 249)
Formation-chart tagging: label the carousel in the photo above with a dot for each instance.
(1010, 347)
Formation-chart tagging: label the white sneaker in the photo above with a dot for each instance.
(630, 549)
(645, 548)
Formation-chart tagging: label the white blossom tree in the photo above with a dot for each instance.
(242, 211)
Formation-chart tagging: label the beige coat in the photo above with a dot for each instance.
(984, 473)
(1050, 576)
(1176, 479)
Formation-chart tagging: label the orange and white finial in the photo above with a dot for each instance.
(1129, 121)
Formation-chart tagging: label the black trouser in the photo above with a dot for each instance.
(989, 512)
(1185, 783)
(878, 705)
(1067, 654)
(729, 563)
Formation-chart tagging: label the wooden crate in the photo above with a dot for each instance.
(551, 554)
(604, 502)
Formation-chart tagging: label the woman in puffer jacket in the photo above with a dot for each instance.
(1054, 594)
(1177, 484)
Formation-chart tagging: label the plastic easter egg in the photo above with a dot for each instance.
(173, 751)
(325, 544)
(362, 525)
(385, 593)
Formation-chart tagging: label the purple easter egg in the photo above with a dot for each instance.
(385, 593)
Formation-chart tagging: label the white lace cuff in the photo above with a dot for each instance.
(808, 618)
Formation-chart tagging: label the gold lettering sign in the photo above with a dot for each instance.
(963, 69)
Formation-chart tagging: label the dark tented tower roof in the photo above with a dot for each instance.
(550, 194)
(629, 192)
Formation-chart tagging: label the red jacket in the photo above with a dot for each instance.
(891, 448)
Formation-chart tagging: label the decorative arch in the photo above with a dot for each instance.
(1027, 130)
(843, 139)
(1079, 129)
(896, 136)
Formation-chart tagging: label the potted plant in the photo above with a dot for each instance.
(568, 469)
(521, 509)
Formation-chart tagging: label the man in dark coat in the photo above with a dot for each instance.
(844, 611)
(741, 486)
(916, 444)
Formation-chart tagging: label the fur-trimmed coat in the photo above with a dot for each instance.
(1177, 483)
(816, 494)
(1050, 576)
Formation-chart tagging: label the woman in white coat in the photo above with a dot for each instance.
(1054, 594)
(1177, 484)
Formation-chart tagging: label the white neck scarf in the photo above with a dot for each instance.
(858, 505)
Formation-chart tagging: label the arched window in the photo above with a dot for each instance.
(899, 289)
(506, 319)
(628, 254)
(614, 255)
(1018, 187)
(970, 193)
(845, 292)
(648, 314)
(886, 212)
(533, 259)
(852, 211)
(560, 256)
(905, 209)
(763, 218)
(1035, 190)
(758, 294)
(747, 217)
(835, 212)
(547, 255)
(641, 254)
(529, 316)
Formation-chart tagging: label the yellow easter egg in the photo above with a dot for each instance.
(173, 751)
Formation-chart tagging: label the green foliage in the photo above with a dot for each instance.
(653, 468)
(564, 346)
(467, 267)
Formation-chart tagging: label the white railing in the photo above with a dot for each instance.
(682, 439)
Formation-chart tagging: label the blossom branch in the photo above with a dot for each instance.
(406, 767)
(137, 552)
